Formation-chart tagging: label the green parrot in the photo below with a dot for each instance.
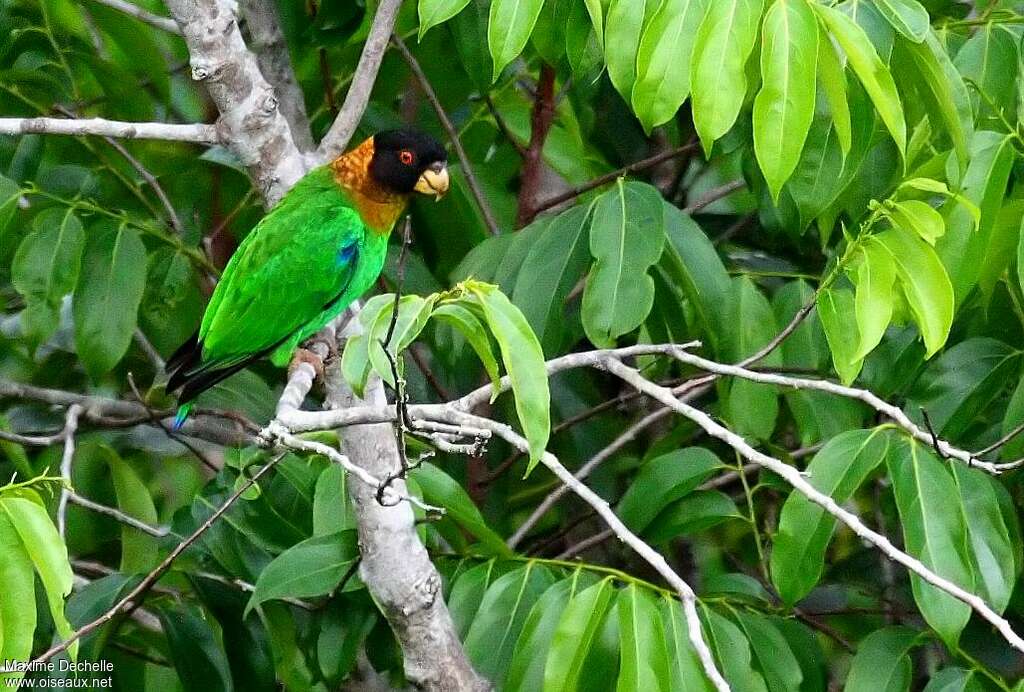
(320, 248)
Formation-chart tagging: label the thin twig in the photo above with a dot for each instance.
(453, 135)
(597, 182)
(116, 514)
(585, 545)
(1001, 441)
(198, 133)
(134, 597)
(70, 426)
(714, 195)
(154, 20)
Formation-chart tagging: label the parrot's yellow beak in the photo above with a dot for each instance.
(434, 180)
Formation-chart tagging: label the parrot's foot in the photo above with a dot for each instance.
(321, 345)
(303, 355)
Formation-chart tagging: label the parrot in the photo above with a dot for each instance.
(316, 251)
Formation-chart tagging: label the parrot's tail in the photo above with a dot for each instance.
(183, 412)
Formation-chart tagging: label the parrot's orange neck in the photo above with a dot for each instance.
(379, 207)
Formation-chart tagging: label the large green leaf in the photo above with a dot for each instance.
(685, 667)
(663, 61)
(413, 313)
(698, 511)
(509, 28)
(434, 12)
(622, 29)
(932, 533)
(732, 651)
(467, 324)
(626, 238)
(139, 551)
(832, 76)
(577, 630)
(107, 297)
(440, 489)
(17, 607)
(526, 670)
(313, 567)
(644, 662)
(924, 283)
(198, 657)
(965, 244)
(750, 407)
(331, 510)
(994, 547)
(492, 637)
(47, 552)
(987, 57)
(869, 68)
(837, 311)
(719, 83)
(551, 269)
(945, 92)
(875, 280)
(919, 217)
(784, 107)
(842, 465)
(663, 480)
(882, 663)
(774, 657)
(908, 17)
(524, 362)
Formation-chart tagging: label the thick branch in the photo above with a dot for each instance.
(359, 90)
(533, 161)
(200, 133)
(263, 27)
(250, 119)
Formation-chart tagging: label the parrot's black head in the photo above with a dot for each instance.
(406, 161)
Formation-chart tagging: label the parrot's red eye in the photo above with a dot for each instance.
(406, 157)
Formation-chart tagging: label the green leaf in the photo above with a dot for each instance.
(526, 669)
(924, 283)
(595, 8)
(626, 238)
(750, 407)
(732, 650)
(355, 360)
(467, 593)
(774, 657)
(623, 25)
(551, 269)
(313, 567)
(945, 92)
(663, 61)
(987, 57)
(524, 362)
(960, 384)
(875, 279)
(832, 76)
(805, 529)
(198, 658)
(139, 551)
(837, 311)
(697, 511)
(577, 629)
(932, 534)
(331, 510)
(869, 68)
(685, 668)
(719, 83)
(882, 663)
(918, 217)
(784, 107)
(17, 583)
(473, 330)
(991, 549)
(107, 298)
(954, 680)
(644, 662)
(908, 17)
(963, 247)
(509, 28)
(48, 553)
(439, 488)
(663, 480)
(492, 637)
(413, 313)
(434, 12)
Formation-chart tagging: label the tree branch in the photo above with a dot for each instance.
(199, 133)
(365, 76)
(263, 28)
(799, 483)
(453, 135)
(533, 161)
(250, 119)
(154, 20)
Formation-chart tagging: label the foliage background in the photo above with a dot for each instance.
(865, 155)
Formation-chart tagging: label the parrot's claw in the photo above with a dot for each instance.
(303, 355)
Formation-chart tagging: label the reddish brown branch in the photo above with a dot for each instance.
(540, 125)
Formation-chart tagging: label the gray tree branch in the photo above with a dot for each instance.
(200, 133)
